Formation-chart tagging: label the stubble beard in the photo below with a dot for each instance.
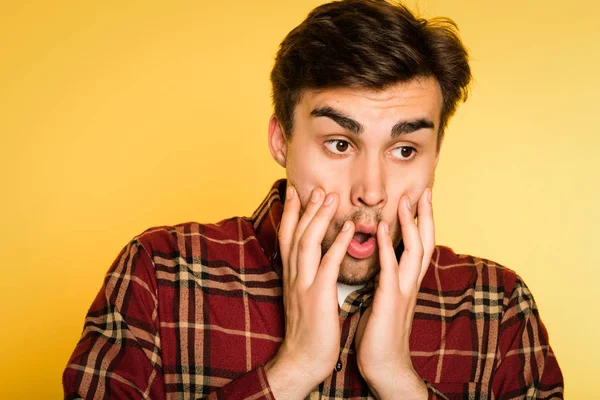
(355, 271)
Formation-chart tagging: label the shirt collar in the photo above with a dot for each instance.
(266, 220)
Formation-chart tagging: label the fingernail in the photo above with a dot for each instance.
(316, 195)
(328, 199)
(386, 227)
(290, 192)
(429, 195)
(346, 226)
(407, 203)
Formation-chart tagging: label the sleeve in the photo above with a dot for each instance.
(119, 353)
(526, 366)
(253, 385)
(433, 393)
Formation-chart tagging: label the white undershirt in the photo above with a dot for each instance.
(344, 290)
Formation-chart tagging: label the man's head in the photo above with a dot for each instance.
(362, 93)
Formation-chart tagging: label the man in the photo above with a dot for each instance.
(248, 307)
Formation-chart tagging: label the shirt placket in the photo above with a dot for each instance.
(345, 373)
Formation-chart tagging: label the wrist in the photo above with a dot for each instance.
(288, 379)
(394, 384)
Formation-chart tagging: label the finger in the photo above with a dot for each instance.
(376, 282)
(426, 230)
(388, 275)
(314, 203)
(287, 227)
(329, 269)
(412, 257)
(310, 244)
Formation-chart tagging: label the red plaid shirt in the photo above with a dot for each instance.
(195, 310)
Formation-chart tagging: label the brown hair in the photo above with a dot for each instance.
(368, 44)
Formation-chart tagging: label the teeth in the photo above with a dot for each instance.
(361, 237)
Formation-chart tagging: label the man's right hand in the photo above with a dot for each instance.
(311, 345)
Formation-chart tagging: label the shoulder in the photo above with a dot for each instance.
(170, 238)
(453, 272)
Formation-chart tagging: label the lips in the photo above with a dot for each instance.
(363, 243)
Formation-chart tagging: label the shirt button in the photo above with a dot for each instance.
(338, 366)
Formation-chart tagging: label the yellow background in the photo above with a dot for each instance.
(117, 116)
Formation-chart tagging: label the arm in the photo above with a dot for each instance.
(524, 366)
(119, 353)
(312, 330)
(527, 367)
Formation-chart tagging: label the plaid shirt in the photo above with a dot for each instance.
(195, 310)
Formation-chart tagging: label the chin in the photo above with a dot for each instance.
(358, 272)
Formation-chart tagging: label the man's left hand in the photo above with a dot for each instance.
(382, 337)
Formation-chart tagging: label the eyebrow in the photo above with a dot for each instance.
(401, 128)
(411, 126)
(342, 120)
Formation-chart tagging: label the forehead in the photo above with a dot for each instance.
(417, 98)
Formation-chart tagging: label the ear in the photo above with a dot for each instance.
(277, 141)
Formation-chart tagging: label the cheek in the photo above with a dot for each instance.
(412, 188)
(306, 176)
(413, 185)
(300, 174)
(415, 181)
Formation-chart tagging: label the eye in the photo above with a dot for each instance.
(338, 146)
(404, 153)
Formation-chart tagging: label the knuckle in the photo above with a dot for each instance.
(311, 208)
(303, 244)
(294, 242)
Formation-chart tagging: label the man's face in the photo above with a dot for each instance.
(370, 147)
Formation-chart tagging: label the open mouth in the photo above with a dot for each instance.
(363, 243)
(362, 237)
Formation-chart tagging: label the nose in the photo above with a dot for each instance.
(368, 188)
